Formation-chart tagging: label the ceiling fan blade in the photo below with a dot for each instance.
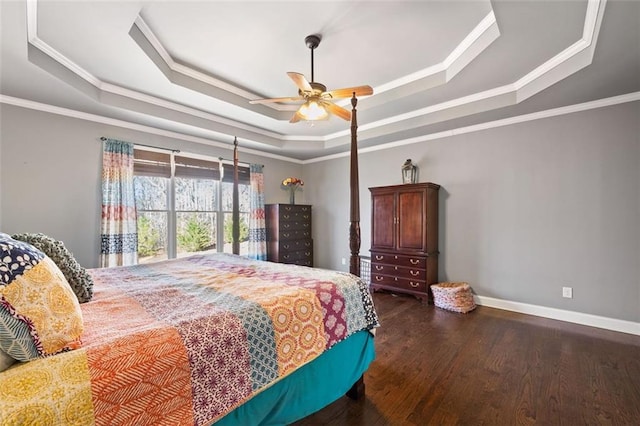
(296, 117)
(337, 110)
(348, 92)
(287, 99)
(300, 81)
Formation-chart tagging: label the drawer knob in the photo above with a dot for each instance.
(286, 216)
(285, 225)
(286, 246)
(414, 285)
(379, 278)
(379, 268)
(286, 235)
(379, 257)
(414, 261)
(414, 273)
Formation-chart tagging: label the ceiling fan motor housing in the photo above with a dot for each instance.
(312, 41)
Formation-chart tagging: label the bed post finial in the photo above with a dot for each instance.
(235, 215)
(354, 227)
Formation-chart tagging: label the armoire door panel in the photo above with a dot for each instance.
(411, 220)
(382, 232)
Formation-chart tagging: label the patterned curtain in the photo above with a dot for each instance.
(257, 231)
(118, 233)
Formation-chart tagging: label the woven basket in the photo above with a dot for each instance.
(455, 297)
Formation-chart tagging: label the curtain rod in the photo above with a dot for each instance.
(103, 138)
(147, 146)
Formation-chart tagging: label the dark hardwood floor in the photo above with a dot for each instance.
(491, 367)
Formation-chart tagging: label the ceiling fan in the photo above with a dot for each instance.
(317, 100)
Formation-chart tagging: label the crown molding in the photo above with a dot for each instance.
(567, 62)
(570, 109)
(481, 37)
(54, 62)
(485, 33)
(66, 112)
(600, 103)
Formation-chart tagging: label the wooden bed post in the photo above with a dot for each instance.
(358, 389)
(354, 228)
(235, 215)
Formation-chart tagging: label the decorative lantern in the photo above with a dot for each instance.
(409, 172)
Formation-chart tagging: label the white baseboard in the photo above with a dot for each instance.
(622, 326)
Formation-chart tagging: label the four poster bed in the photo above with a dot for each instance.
(199, 340)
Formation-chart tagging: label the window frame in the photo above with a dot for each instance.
(150, 162)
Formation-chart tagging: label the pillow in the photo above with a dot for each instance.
(39, 313)
(80, 281)
(5, 361)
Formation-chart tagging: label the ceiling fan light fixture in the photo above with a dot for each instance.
(311, 110)
(318, 103)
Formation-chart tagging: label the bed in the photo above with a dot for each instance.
(206, 339)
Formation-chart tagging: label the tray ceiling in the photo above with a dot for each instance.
(192, 67)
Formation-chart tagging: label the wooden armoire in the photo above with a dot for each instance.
(404, 238)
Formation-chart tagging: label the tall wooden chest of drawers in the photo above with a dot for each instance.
(404, 238)
(289, 233)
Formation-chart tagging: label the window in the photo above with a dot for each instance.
(185, 205)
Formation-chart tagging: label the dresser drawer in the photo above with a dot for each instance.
(294, 226)
(399, 283)
(295, 216)
(398, 271)
(295, 234)
(295, 245)
(419, 262)
(288, 257)
(301, 262)
(295, 208)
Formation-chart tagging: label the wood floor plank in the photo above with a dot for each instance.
(491, 367)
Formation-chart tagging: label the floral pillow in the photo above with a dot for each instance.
(39, 313)
(79, 279)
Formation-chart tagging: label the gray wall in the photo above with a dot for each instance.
(50, 175)
(524, 209)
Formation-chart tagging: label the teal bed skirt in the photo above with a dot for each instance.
(310, 388)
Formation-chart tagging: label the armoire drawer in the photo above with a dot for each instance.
(399, 283)
(419, 262)
(399, 271)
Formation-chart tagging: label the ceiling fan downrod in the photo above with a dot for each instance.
(312, 41)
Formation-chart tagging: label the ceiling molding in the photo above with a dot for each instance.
(555, 112)
(570, 109)
(482, 35)
(567, 62)
(54, 62)
(66, 112)
(190, 78)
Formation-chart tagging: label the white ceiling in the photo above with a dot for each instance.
(192, 67)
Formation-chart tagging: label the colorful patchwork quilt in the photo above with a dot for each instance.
(185, 341)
